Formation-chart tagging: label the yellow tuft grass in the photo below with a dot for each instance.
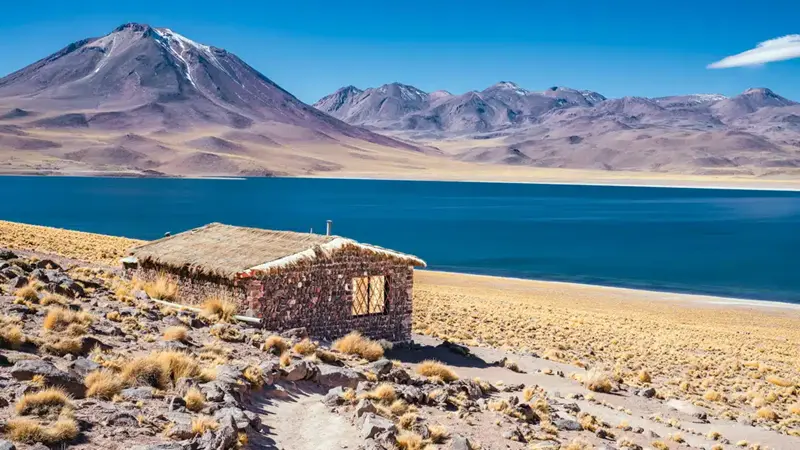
(11, 335)
(767, 414)
(45, 402)
(431, 368)
(407, 440)
(114, 316)
(29, 292)
(53, 299)
(30, 431)
(658, 445)
(795, 409)
(578, 444)
(195, 400)
(162, 288)
(778, 381)
(356, 344)
(527, 393)
(383, 393)
(326, 356)
(103, 384)
(438, 434)
(407, 420)
(159, 369)
(202, 424)
(176, 333)
(644, 376)
(712, 396)
(60, 319)
(305, 347)
(285, 359)
(254, 375)
(275, 345)
(218, 309)
(598, 381)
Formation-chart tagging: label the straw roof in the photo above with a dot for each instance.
(228, 251)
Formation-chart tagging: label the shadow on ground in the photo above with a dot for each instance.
(448, 353)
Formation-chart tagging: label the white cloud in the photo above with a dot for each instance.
(778, 49)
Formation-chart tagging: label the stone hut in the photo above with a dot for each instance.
(328, 284)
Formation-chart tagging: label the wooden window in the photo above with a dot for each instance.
(369, 295)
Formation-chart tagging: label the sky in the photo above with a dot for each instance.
(312, 48)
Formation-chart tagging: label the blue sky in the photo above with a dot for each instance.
(311, 48)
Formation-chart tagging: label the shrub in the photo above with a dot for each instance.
(59, 319)
(10, 335)
(45, 402)
(409, 441)
(31, 431)
(305, 347)
(29, 292)
(202, 424)
(438, 434)
(275, 345)
(103, 384)
(383, 393)
(597, 381)
(218, 309)
(195, 400)
(430, 368)
(356, 344)
(161, 288)
(767, 414)
(176, 333)
(406, 421)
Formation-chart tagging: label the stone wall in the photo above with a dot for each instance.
(319, 297)
(194, 289)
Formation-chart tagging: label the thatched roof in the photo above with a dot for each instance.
(228, 251)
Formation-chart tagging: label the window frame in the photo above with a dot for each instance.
(363, 299)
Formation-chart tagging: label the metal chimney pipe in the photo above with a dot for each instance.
(328, 230)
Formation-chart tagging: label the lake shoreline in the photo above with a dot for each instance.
(643, 180)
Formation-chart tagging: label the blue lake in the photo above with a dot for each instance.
(723, 242)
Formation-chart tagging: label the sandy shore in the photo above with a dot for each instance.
(731, 356)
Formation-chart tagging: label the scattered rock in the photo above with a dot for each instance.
(380, 367)
(301, 370)
(123, 419)
(332, 376)
(177, 403)
(648, 393)
(137, 393)
(7, 254)
(296, 334)
(374, 425)
(6, 445)
(70, 381)
(239, 418)
(333, 397)
(222, 439)
(459, 442)
(365, 407)
(568, 425)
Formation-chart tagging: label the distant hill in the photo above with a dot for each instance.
(756, 132)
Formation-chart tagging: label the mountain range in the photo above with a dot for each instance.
(143, 100)
(757, 131)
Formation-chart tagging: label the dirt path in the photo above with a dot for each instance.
(293, 418)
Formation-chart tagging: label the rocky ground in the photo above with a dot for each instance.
(132, 373)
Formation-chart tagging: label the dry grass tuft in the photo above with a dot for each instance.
(159, 369)
(218, 309)
(29, 292)
(202, 424)
(578, 444)
(658, 445)
(383, 393)
(438, 434)
(326, 356)
(114, 316)
(644, 377)
(53, 299)
(176, 333)
(162, 288)
(407, 420)
(598, 381)
(285, 359)
(795, 409)
(103, 384)
(407, 440)
(60, 319)
(195, 400)
(767, 414)
(305, 347)
(778, 381)
(712, 396)
(45, 402)
(527, 393)
(356, 344)
(275, 345)
(11, 335)
(431, 368)
(254, 375)
(32, 431)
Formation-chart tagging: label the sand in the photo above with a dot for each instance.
(733, 357)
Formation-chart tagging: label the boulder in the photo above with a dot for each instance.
(5, 255)
(240, 419)
(568, 425)
(648, 393)
(39, 274)
(177, 403)
(472, 388)
(7, 445)
(301, 370)
(122, 419)
(459, 442)
(18, 282)
(380, 367)
(332, 376)
(365, 406)
(410, 394)
(83, 366)
(398, 376)
(48, 264)
(223, 438)
(70, 381)
(137, 393)
(333, 397)
(374, 425)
